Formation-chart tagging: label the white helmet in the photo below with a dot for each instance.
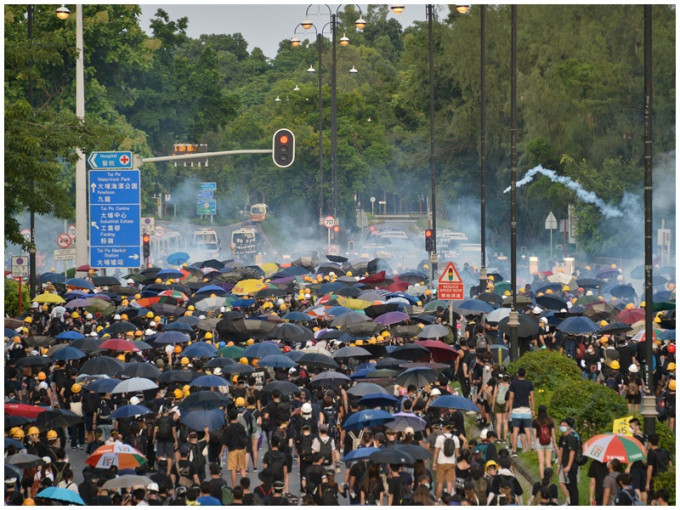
(633, 369)
(134, 401)
(483, 433)
(306, 408)
(435, 392)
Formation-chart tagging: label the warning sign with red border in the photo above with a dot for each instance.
(450, 284)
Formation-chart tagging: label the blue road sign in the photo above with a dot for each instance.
(115, 159)
(205, 195)
(115, 223)
(208, 186)
(206, 207)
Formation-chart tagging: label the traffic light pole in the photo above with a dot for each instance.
(138, 160)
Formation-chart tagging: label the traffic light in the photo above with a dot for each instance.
(283, 150)
(429, 240)
(146, 246)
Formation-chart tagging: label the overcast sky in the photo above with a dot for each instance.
(262, 24)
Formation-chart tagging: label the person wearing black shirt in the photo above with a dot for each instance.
(597, 471)
(638, 470)
(520, 404)
(568, 470)
(216, 481)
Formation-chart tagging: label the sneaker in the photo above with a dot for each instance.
(513, 454)
(254, 469)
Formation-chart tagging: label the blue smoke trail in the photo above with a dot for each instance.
(583, 195)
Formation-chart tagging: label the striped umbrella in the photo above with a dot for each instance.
(122, 455)
(605, 447)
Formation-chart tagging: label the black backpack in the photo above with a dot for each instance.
(104, 410)
(329, 494)
(662, 460)
(164, 428)
(326, 449)
(405, 494)
(305, 447)
(449, 447)
(579, 458)
(277, 459)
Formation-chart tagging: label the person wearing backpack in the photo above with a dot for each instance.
(303, 447)
(658, 461)
(446, 449)
(609, 484)
(627, 496)
(328, 490)
(236, 440)
(498, 400)
(544, 438)
(165, 436)
(325, 445)
(568, 467)
(276, 461)
(634, 388)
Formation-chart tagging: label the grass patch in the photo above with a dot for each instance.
(530, 461)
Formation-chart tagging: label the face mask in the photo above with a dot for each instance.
(630, 429)
(563, 429)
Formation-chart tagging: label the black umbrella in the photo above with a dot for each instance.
(124, 290)
(589, 283)
(622, 290)
(389, 362)
(243, 329)
(614, 328)
(490, 297)
(391, 455)
(86, 344)
(351, 292)
(329, 334)
(330, 378)
(25, 460)
(101, 281)
(527, 326)
(411, 352)
(237, 369)
(40, 341)
(416, 451)
(16, 421)
(362, 328)
(337, 258)
(33, 361)
(269, 292)
(316, 360)
(204, 400)
(212, 263)
(346, 353)
(55, 418)
(374, 311)
(377, 350)
(405, 330)
(119, 328)
(146, 370)
(219, 362)
(167, 309)
(102, 365)
(551, 302)
(291, 333)
(285, 387)
(179, 376)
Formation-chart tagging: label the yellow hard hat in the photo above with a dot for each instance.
(33, 431)
(230, 343)
(191, 307)
(44, 351)
(234, 379)
(178, 393)
(157, 319)
(250, 341)
(124, 302)
(671, 366)
(243, 361)
(30, 319)
(385, 334)
(615, 365)
(45, 308)
(75, 315)
(158, 280)
(18, 433)
(121, 357)
(138, 296)
(603, 323)
(208, 335)
(99, 328)
(123, 316)
(188, 313)
(642, 304)
(184, 361)
(41, 376)
(178, 349)
(28, 502)
(138, 333)
(52, 434)
(149, 315)
(240, 402)
(548, 291)
(671, 385)
(255, 362)
(657, 320)
(349, 273)
(76, 388)
(360, 342)
(566, 288)
(507, 293)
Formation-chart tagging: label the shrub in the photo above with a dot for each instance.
(666, 481)
(547, 369)
(591, 405)
(12, 298)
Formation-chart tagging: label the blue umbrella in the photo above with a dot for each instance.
(359, 454)
(169, 273)
(330, 287)
(367, 418)
(178, 326)
(622, 290)
(242, 303)
(60, 494)
(13, 442)
(80, 283)
(260, 350)
(130, 410)
(337, 311)
(454, 402)
(404, 420)
(474, 306)
(277, 361)
(417, 376)
(212, 289)
(178, 258)
(9, 333)
(579, 325)
(69, 335)
(190, 320)
(294, 355)
(411, 299)
(202, 418)
(361, 373)
(68, 353)
(172, 337)
(11, 471)
(200, 350)
(668, 334)
(297, 316)
(378, 399)
(52, 277)
(103, 385)
(210, 381)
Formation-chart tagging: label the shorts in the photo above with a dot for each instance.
(498, 408)
(165, 449)
(89, 426)
(446, 473)
(521, 420)
(543, 447)
(236, 460)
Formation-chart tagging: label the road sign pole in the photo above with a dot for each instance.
(20, 295)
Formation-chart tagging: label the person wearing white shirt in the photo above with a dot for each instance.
(445, 465)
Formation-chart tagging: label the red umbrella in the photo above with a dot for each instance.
(441, 352)
(25, 410)
(119, 344)
(632, 315)
(85, 268)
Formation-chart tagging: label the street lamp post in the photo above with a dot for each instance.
(482, 147)
(429, 10)
(81, 173)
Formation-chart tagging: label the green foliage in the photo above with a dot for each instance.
(547, 369)
(667, 481)
(12, 298)
(591, 405)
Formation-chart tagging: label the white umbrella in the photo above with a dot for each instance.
(134, 385)
(127, 481)
(498, 314)
(318, 349)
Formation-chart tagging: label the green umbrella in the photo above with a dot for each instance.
(230, 351)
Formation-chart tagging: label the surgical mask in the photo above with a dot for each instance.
(630, 429)
(563, 429)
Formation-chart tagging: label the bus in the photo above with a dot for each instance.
(258, 213)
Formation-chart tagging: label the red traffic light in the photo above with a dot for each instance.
(428, 233)
(283, 139)
(146, 238)
(283, 148)
(336, 228)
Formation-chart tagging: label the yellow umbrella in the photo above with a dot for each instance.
(250, 286)
(353, 304)
(48, 297)
(269, 268)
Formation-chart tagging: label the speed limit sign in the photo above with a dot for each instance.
(72, 231)
(329, 221)
(158, 231)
